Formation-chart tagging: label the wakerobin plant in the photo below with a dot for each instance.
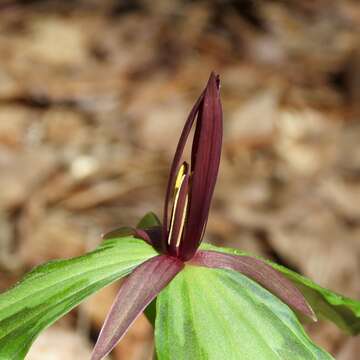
(204, 302)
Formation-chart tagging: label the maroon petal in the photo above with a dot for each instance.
(177, 162)
(259, 271)
(154, 234)
(206, 153)
(137, 291)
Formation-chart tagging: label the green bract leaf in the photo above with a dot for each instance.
(149, 220)
(51, 290)
(221, 314)
(342, 311)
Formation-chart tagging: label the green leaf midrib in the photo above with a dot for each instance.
(187, 289)
(249, 325)
(207, 320)
(253, 328)
(204, 284)
(209, 305)
(284, 323)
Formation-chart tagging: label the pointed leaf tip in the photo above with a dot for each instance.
(137, 291)
(148, 220)
(262, 273)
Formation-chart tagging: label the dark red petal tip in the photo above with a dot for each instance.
(262, 273)
(137, 291)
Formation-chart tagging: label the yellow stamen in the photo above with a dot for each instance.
(180, 177)
(182, 222)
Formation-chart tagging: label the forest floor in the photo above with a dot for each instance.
(93, 95)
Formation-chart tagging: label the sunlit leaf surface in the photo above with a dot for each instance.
(53, 289)
(342, 311)
(220, 314)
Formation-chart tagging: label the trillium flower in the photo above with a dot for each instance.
(187, 202)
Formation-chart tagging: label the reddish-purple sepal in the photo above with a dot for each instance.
(137, 291)
(259, 271)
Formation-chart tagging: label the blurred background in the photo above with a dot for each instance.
(93, 96)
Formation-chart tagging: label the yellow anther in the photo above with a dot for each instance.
(180, 175)
(183, 218)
